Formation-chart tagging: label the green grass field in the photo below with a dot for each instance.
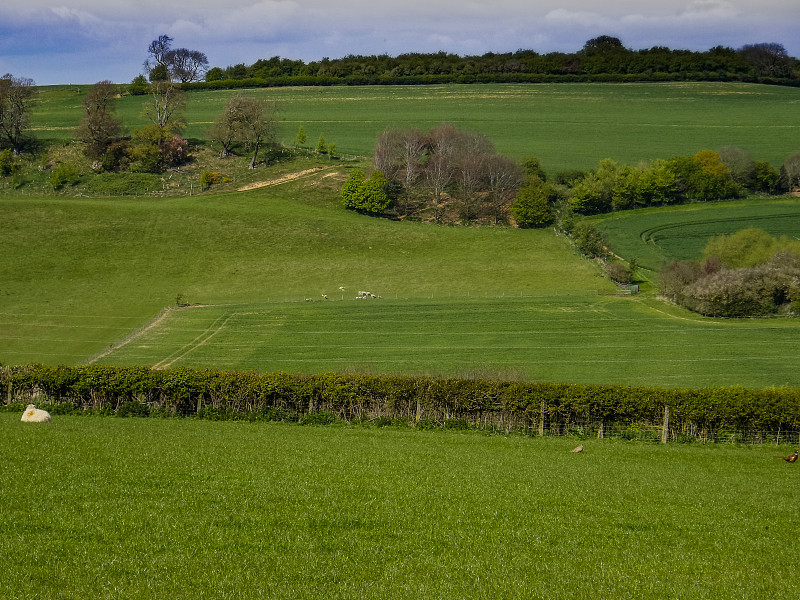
(568, 126)
(657, 235)
(580, 339)
(81, 275)
(151, 508)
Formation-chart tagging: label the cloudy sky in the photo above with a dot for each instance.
(84, 41)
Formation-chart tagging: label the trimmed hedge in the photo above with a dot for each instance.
(210, 393)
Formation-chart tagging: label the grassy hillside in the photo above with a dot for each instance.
(567, 125)
(185, 509)
(79, 273)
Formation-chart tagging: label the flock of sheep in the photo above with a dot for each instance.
(362, 295)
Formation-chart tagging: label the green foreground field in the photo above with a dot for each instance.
(179, 508)
(568, 126)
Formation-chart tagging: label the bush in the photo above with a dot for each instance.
(8, 163)
(209, 178)
(64, 174)
(590, 241)
(618, 272)
(366, 195)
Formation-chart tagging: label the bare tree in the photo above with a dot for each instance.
(257, 124)
(505, 177)
(473, 151)
(158, 50)
(770, 59)
(167, 102)
(17, 94)
(440, 170)
(181, 64)
(99, 127)
(186, 65)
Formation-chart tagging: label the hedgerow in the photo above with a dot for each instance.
(504, 405)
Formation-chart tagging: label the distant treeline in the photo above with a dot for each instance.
(601, 59)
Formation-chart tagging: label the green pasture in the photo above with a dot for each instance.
(79, 274)
(580, 339)
(185, 509)
(657, 235)
(82, 277)
(568, 126)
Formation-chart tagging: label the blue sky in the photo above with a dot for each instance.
(84, 41)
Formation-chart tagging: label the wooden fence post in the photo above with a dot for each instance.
(541, 420)
(665, 428)
(601, 431)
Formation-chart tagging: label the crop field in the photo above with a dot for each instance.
(578, 339)
(568, 126)
(180, 508)
(654, 236)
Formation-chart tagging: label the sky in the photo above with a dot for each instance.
(85, 41)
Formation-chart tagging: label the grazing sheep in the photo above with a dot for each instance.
(341, 288)
(309, 299)
(324, 296)
(35, 415)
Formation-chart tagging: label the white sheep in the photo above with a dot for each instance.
(35, 415)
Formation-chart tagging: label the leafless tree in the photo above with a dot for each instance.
(99, 127)
(167, 102)
(770, 59)
(505, 177)
(186, 65)
(17, 94)
(180, 64)
(158, 51)
(257, 124)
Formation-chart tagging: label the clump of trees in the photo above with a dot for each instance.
(165, 63)
(748, 273)
(446, 175)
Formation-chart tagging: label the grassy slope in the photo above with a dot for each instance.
(567, 125)
(82, 273)
(102, 508)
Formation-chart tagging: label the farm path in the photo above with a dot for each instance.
(284, 179)
(154, 323)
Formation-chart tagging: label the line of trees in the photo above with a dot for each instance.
(447, 175)
(601, 58)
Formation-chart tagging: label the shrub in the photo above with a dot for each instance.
(366, 195)
(531, 207)
(62, 175)
(618, 272)
(590, 241)
(8, 163)
(209, 178)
